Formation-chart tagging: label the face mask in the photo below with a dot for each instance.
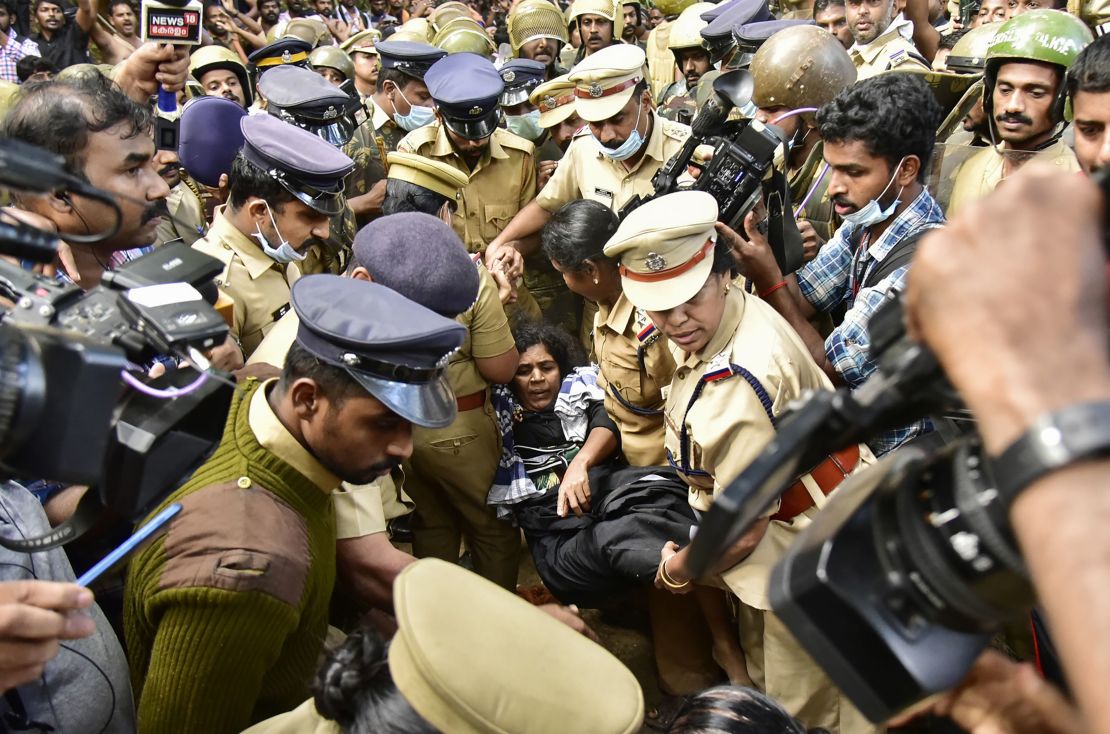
(871, 213)
(417, 117)
(628, 148)
(526, 126)
(284, 253)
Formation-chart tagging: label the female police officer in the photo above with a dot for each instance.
(738, 364)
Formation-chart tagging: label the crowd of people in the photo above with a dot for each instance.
(458, 348)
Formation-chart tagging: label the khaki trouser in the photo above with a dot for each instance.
(448, 477)
(783, 670)
(682, 644)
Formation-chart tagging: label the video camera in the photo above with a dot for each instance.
(740, 172)
(70, 410)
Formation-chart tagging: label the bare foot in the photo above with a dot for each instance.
(731, 659)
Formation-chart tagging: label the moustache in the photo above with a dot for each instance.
(838, 199)
(166, 170)
(385, 467)
(157, 209)
(1013, 117)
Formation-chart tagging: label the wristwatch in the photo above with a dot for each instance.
(1054, 441)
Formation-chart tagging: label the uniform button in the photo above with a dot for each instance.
(244, 482)
(227, 246)
(617, 385)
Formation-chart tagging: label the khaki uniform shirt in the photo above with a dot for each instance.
(586, 173)
(660, 60)
(889, 51)
(359, 509)
(981, 174)
(633, 385)
(714, 433)
(487, 335)
(256, 283)
(188, 223)
(501, 184)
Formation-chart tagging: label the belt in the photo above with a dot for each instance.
(828, 475)
(471, 401)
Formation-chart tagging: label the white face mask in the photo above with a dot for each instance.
(418, 115)
(871, 213)
(283, 253)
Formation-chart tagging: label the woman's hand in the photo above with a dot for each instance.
(574, 490)
(673, 559)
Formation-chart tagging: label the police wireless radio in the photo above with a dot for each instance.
(177, 22)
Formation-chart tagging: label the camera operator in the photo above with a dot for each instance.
(1018, 354)
(877, 136)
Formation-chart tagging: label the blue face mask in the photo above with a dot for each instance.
(526, 126)
(283, 253)
(417, 117)
(872, 213)
(629, 147)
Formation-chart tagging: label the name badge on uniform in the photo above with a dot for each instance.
(280, 312)
(603, 193)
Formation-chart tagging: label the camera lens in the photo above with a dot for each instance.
(22, 387)
(944, 535)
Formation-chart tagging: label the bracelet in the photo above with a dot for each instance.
(667, 580)
(772, 289)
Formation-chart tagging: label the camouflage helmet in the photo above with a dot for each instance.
(332, 57)
(207, 58)
(673, 8)
(1046, 36)
(686, 30)
(970, 51)
(610, 9)
(800, 66)
(532, 19)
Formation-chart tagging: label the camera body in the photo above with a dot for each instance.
(734, 175)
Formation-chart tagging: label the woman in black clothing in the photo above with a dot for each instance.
(592, 528)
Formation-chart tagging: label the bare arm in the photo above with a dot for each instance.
(500, 369)
(525, 226)
(574, 490)
(368, 566)
(925, 36)
(736, 553)
(86, 17)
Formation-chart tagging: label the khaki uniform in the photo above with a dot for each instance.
(502, 182)
(451, 469)
(256, 283)
(661, 66)
(359, 509)
(981, 174)
(819, 209)
(635, 365)
(189, 223)
(888, 51)
(586, 173)
(716, 425)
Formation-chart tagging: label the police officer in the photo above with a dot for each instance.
(522, 117)
(364, 57)
(802, 66)
(220, 73)
(718, 34)
(333, 64)
(465, 35)
(240, 585)
(1024, 93)
(660, 60)
(502, 169)
(537, 32)
(558, 116)
(739, 365)
(879, 44)
(282, 51)
(600, 25)
(614, 158)
(691, 56)
(284, 187)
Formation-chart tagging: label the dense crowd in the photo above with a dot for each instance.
(469, 335)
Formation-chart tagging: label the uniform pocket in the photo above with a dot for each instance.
(495, 217)
(453, 445)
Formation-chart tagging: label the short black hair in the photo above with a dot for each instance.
(59, 3)
(1091, 70)
(61, 115)
(949, 41)
(734, 709)
(334, 382)
(894, 115)
(402, 196)
(820, 6)
(565, 349)
(723, 259)
(9, 5)
(28, 66)
(577, 232)
(113, 3)
(246, 180)
(355, 689)
(399, 78)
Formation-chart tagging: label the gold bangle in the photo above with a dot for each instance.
(667, 579)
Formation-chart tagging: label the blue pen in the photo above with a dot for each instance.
(130, 545)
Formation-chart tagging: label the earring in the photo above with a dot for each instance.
(595, 281)
(728, 286)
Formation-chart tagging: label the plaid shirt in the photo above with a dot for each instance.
(832, 279)
(13, 51)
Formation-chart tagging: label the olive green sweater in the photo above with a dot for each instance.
(225, 615)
